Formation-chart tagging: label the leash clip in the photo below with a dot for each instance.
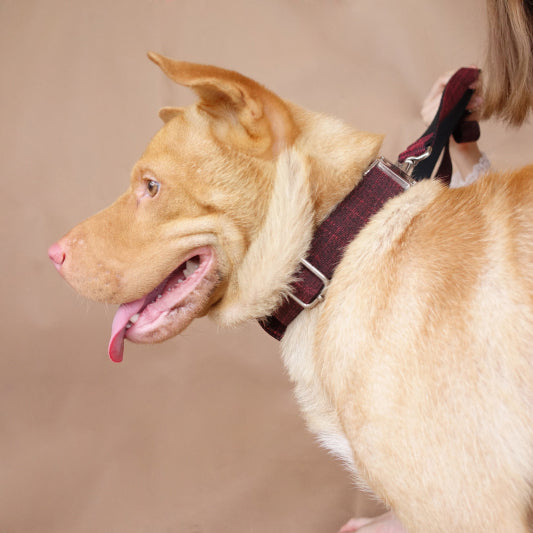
(410, 163)
(321, 294)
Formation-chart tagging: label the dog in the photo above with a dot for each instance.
(416, 369)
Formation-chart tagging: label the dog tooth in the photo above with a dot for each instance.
(134, 318)
(190, 266)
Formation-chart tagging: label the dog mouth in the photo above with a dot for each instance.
(169, 308)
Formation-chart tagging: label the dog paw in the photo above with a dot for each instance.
(385, 523)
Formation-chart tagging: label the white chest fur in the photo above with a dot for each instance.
(298, 355)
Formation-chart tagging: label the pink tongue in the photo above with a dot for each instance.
(118, 328)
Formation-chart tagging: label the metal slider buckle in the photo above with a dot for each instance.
(321, 277)
(392, 171)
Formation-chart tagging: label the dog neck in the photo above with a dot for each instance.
(312, 177)
(337, 154)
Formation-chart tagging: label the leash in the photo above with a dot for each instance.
(382, 181)
(448, 121)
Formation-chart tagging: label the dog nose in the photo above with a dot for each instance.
(57, 255)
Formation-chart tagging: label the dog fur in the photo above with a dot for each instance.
(417, 369)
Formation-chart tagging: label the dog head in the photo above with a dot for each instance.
(173, 243)
(169, 245)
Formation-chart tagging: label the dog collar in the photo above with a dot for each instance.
(381, 181)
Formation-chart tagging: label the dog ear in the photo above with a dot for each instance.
(168, 113)
(245, 114)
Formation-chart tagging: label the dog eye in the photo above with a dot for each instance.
(152, 187)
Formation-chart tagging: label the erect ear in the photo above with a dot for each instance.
(245, 114)
(168, 113)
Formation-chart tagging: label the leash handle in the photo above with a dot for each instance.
(449, 120)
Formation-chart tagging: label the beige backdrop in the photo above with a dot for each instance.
(201, 433)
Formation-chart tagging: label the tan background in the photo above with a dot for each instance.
(201, 433)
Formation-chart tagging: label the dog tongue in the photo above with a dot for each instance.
(118, 329)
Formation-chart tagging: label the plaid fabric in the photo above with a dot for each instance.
(329, 242)
(468, 131)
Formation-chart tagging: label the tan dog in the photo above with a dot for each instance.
(417, 370)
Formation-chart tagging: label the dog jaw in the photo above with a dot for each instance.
(170, 307)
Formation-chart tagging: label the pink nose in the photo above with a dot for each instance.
(57, 255)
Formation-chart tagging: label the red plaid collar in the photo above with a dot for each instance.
(381, 181)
